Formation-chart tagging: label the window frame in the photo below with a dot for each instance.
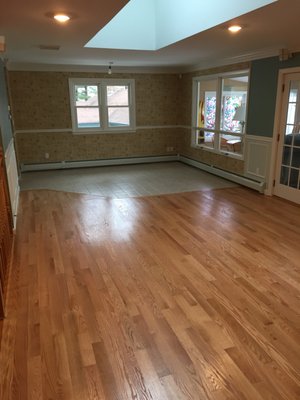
(103, 105)
(217, 131)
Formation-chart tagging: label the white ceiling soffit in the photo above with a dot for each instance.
(154, 24)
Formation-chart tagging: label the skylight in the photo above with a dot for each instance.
(153, 24)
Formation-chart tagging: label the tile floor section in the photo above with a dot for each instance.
(125, 181)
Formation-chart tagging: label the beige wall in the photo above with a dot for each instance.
(64, 146)
(40, 100)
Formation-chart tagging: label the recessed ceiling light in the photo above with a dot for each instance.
(61, 17)
(234, 28)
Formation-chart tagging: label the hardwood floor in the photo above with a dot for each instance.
(187, 296)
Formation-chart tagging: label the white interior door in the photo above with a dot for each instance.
(287, 181)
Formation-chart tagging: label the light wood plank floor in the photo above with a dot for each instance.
(185, 296)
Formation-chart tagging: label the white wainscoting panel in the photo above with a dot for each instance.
(257, 157)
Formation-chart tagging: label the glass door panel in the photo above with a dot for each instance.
(287, 184)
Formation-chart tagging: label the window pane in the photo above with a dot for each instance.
(291, 113)
(294, 178)
(206, 103)
(289, 129)
(234, 100)
(296, 157)
(284, 176)
(230, 143)
(293, 92)
(117, 95)
(210, 110)
(289, 139)
(86, 95)
(205, 138)
(118, 116)
(88, 117)
(286, 155)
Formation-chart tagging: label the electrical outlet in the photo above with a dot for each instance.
(47, 155)
(170, 148)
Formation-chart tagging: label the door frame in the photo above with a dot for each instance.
(276, 131)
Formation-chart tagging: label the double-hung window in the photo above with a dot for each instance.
(102, 105)
(219, 112)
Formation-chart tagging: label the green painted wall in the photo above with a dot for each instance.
(5, 125)
(263, 92)
(262, 96)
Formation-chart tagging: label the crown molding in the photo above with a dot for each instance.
(159, 69)
(247, 57)
(103, 69)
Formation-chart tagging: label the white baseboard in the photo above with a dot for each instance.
(96, 163)
(256, 185)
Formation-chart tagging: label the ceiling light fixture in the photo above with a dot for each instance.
(234, 28)
(61, 18)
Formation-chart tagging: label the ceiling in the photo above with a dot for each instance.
(26, 26)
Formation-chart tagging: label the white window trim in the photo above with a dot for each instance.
(103, 108)
(218, 132)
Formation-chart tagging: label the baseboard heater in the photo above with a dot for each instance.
(96, 163)
(242, 180)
